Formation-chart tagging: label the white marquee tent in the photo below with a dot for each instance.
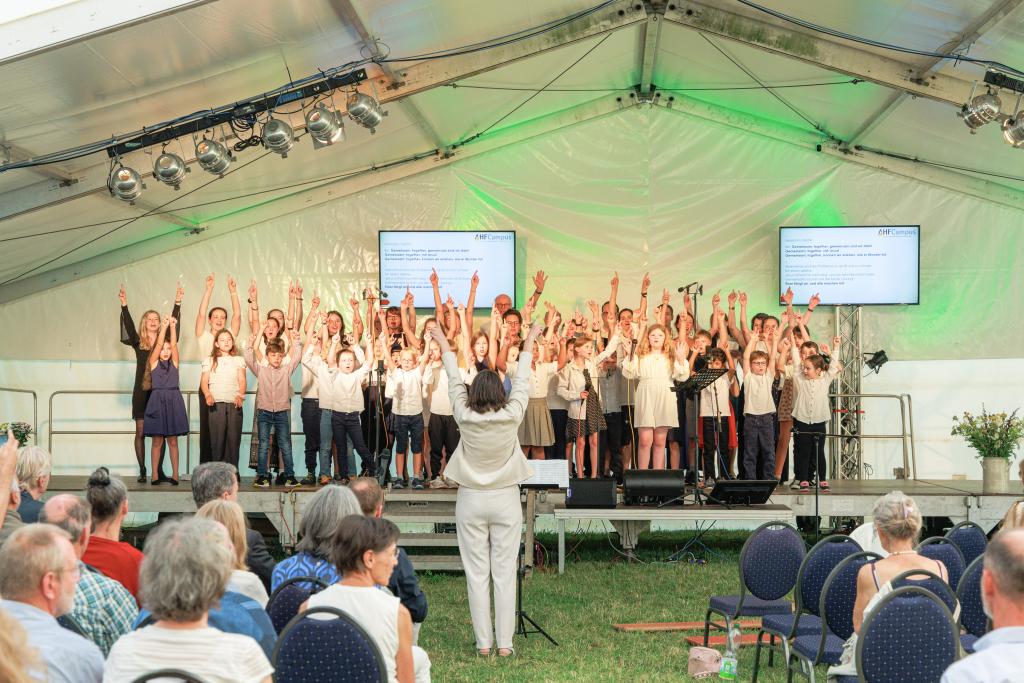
(670, 137)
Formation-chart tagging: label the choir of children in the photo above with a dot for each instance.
(600, 386)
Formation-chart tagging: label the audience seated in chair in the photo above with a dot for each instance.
(188, 563)
(33, 474)
(108, 497)
(403, 583)
(38, 574)
(103, 609)
(320, 519)
(219, 480)
(999, 654)
(898, 523)
(365, 549)
(229, 513)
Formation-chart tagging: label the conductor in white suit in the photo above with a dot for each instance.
(488, 465)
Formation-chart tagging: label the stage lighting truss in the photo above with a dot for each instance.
(278, 137)
(981, 109)
(365, 110)
(213, 156)
(170, 169)
(125, 183)
(325, 126)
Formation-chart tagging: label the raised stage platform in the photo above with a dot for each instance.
(958, 500)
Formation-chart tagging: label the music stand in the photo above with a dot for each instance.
(696, 383)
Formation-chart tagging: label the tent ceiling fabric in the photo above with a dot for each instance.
(223, 51)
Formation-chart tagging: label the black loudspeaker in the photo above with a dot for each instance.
(742, 491)
(652, 487)
(591, 494)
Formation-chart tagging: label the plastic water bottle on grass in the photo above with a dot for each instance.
(727, 671)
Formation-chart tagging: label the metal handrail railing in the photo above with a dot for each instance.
(188, 394)
(905, 436)
(35, 407)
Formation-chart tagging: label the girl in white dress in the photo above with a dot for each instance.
(656, 364)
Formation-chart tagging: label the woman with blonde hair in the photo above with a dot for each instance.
(230, 514)
(17, 659)
(33, 472)
(898, 525)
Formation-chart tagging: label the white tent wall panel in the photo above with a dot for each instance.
(647, 189)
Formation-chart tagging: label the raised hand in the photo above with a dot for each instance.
(813, 302)
(539, 280)
(232, 285)
(354, 303)
(787, 298)
(535, 331)
(825, 350)
(323, 318)
(645, 283)
(174, 322)
(743, 299)
(433, 277)
(475, 280)
(209, 282)
(784, 345)
(681, 351)
(665, 296)
(287, 323)
(315, 303)
(252, 290)
(836, 341)
(592, 305)
(615, 279)
(179, 292)
(716, 299)
(123, 296)
(167, 320)
(732, 298)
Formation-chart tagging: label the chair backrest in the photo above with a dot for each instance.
(929, 581)
(173, 674)
(285, 601)
(327, 650)
(770, 560)
(945, 551)
(69, 622)
(970, 539)
(972, 616)
(909, 636)
(839, 594)
(817, 565)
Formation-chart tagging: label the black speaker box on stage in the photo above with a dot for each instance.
(742, 491)
(591, 493)
(651, 487)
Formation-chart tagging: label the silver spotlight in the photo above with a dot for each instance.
(169, 169)
(125, 184)
(278, 136)
(365, 110)
(981, 110)
(324, 126)
(213, 156)
(1013, 130)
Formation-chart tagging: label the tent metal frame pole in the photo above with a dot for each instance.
(847, 449)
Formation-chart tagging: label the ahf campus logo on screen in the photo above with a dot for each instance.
(896, 232)
(492, 237)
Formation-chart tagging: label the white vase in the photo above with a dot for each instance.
(995, 475)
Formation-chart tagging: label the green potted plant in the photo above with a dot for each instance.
(995, 437)
(22, 431)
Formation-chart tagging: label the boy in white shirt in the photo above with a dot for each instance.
(405, 389)
(759, 409)
(714, 405)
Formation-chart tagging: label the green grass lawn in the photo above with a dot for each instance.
(578, 609)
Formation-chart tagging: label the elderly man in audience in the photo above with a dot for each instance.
(38, 575)
(403, 583)
(999, 654)
(188, 563)
(213, 480)
(320, 518)
(103, 610)
(108, 497)
(12, 521)
(33, 474)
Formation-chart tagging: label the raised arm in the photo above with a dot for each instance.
(772, 355)
(438, 304)
(730, 321)
(236, 307)
(129, 335)
(641, 309)
(254, 307)
(357, 321)
(204, 306)
(173, 340)
(154, 353)
(314, 307)
(539, 281)
(474, 282)
(747, 350)
(743, 318)
(408, 308)
(613, 305)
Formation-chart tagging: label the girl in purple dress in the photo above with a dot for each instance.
(165, 412)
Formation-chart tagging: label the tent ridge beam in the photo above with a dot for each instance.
(652, 34)
(750, 28)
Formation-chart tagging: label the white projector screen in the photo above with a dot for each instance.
(851, 265)
(407, 257)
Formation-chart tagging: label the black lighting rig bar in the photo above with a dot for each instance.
(250, 107)
(1001, 80)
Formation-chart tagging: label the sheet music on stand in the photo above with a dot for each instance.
(699, 380)
(547, 474)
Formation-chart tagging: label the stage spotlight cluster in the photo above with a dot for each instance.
(323, 122)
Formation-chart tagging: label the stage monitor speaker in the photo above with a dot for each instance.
(644, 487)
(742, 491)
(591, 494)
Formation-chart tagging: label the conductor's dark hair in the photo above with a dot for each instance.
(486, 393)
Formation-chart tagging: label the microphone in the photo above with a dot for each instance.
(368, 292)
(686, 288)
